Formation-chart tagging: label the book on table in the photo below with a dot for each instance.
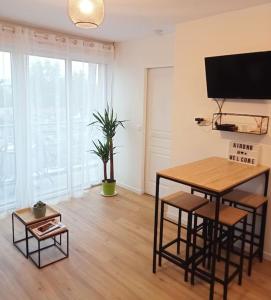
(48, 227)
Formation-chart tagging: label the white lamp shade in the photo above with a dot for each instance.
(86, 13)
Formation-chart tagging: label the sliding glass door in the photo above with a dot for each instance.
(44, 134)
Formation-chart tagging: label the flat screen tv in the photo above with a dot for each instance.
(239, 76)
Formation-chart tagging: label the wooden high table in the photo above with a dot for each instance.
(215, 176)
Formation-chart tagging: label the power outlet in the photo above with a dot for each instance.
(203, 121)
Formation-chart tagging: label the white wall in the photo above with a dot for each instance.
(235, 32)
(129, 84)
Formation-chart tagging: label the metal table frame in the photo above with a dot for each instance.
(55, 244)
(27, 236)
(217, 196)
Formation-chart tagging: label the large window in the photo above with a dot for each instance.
(44, 134)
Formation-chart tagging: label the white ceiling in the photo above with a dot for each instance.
(124, 19)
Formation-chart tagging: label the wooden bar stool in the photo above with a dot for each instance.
(252, 203)
(187, 203)
(229, 217)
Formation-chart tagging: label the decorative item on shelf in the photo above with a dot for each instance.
(39, 209)
(86, 13)
(241, 123)
(226, 127)
(108, 124)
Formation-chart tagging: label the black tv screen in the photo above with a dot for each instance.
(240, 76)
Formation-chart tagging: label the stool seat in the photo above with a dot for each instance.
(227, 215)
(185, 201)
(246, 199)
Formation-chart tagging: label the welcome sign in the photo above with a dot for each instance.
(245, 153)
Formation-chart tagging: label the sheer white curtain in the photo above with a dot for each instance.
(7, 138)
(49, 87)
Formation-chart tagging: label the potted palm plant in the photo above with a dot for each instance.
(108, 123)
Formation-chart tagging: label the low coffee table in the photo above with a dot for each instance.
(27, 218)
(51, 237)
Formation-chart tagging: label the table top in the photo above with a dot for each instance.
(27, 217)
(214, 174)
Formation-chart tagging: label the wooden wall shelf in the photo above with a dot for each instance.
(241, 123)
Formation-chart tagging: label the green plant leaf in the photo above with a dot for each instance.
(102, 150)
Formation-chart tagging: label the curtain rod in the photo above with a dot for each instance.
(51, 31)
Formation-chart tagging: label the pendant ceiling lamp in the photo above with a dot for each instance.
(86, 13)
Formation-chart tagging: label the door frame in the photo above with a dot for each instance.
(144, 129)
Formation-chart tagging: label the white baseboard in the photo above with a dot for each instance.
(267, 255)
(130, 188)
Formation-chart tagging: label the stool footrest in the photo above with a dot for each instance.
(169, 244)
(173, 258)
(205, 275)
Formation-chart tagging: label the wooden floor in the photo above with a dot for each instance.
(110, 258)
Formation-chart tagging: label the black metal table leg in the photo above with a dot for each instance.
(156, 212)
(262, 234)
(179, 231)
(26, 242)
(217, 205)
(194, 246)
(60, 238)
(188, 241)
(161, 233)
(251, 249)
(210, 237)
(266, 182)
(227, 263)
(205, 237)
(13, 237)
(25, 239)
(67, 234)
(220, 243)
(242, 251)
(264, 212)
(39, 253)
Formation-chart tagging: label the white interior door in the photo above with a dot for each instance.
(158, 126)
